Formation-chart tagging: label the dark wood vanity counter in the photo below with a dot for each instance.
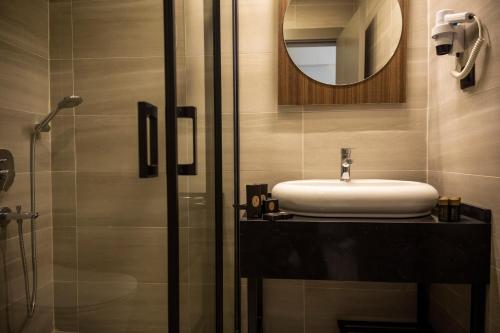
(415, 250)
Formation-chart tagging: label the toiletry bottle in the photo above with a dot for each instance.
(443, 209)
(254, 201)
(455, 203)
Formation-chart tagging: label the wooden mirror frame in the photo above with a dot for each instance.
(386, 86)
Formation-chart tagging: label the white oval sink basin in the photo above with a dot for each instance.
(357, 198)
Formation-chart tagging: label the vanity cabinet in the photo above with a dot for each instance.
(414, 250)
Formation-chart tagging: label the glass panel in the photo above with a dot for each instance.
(196, 192)
(110, 230)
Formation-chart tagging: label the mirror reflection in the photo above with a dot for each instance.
(342, 41)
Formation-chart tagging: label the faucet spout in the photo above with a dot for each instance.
(345, 164)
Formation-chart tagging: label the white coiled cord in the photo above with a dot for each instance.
(473, 54)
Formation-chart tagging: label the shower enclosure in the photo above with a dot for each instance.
(136, 173)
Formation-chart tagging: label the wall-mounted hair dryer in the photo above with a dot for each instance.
(449, 34)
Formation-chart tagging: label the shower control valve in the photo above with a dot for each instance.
(6, 215)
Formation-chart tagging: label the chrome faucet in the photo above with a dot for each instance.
(345, 164)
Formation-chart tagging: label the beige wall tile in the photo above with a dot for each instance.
(42, 320)
(200, 308)
(24, 80)
(63, 143)
(269, 177)
(283, 306)
(442, 321)
(463, 127)
(61, 30)
(417, 78)
(122, 255)
(24, 23)
(120, 199)
(96, 137)
(476, 190)
(373, 139)
(117, 28)
(463, 134)
(262, 37)
(65, 309)
(61, 82)
(494, 301)
(411, 175)
(271, 142)
(258, 86)
(456, 304)
(201, 256)
(122, 307)
(19, 194)
(24, 87)
(418, 36)
(15, 135)
(114, 86)
(65, 254)
(323, 307)
(194, 28)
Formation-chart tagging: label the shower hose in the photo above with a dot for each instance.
(30, 290)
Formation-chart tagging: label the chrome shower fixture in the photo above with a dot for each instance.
(67, 102)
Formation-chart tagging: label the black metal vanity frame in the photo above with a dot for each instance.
(414, 250)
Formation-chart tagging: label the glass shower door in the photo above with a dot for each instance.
(135, 167)
(192, 203)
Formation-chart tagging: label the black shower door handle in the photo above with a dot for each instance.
(148, 140)
(190, 113)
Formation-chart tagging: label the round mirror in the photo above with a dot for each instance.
(342, 41)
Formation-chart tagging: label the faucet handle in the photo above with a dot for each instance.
(345, 152)
(347, 162)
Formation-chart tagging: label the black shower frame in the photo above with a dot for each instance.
(172, 169)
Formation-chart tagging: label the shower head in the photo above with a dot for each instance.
(70, 102)
(66, 103)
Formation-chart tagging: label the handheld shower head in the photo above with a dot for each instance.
(70, 102)
(67, 102)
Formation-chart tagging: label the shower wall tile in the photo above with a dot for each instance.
(61, 82)
(19, 194)
(24, 80)
(23, 23)
(15, 135)
(118, 255)
(15, 314)
(201, 256)
(199, 308)
(124, 306)
(63, 143)
(65, 254)
(61, 30)
(118, 28)
(120, 199)
(194, 28)
(65, 306)
(96, 137)
(24, 99)
(114, 86)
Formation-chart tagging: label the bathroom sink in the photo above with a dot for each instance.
(356, 198)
